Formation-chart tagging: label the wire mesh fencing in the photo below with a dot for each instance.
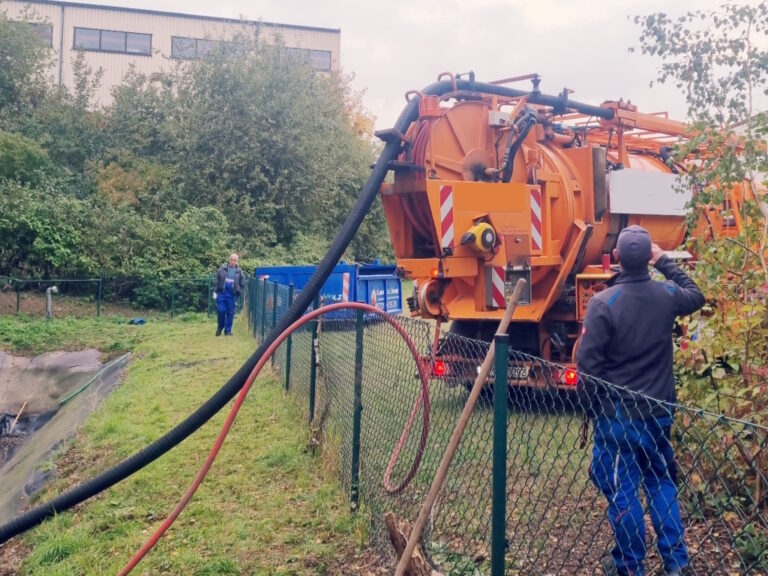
(588, 476)
(14, 294)
(84, 297)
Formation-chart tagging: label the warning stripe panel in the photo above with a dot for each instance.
(536, 226)
(446, 216)
(497, 286)
(345, 287)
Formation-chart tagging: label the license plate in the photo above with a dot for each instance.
(518, 372)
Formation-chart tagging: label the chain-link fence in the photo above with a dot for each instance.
(561, 492)
(91, 296)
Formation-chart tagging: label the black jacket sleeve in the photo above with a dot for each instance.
(688, 298)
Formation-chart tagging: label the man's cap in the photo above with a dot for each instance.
(634, 247)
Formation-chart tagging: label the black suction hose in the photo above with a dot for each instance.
(220, 399)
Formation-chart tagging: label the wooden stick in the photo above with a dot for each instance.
(453, 443)
(15, 420)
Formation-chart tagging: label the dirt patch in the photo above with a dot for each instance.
(33, 303)
(12, 554)
(365, 563)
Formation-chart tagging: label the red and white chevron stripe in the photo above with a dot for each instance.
(497, 287)
(446, 216)
(345, 287)
(536, 243)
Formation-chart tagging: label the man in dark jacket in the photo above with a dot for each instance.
(626, 342)
(229, 284)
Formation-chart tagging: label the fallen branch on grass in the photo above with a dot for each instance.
(399, 529)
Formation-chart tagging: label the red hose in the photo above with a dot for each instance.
(423, 397)
(406, 431)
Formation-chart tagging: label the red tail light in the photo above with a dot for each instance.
(438, 368)
(570, 377)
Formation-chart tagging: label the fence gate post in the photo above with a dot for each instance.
(358, 411)
(264, 310)
(313, 363)
(98, 301)
(275, 287)
(253, 297)
(500, 415)
(288, 345)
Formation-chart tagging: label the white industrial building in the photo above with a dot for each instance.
(114, 39)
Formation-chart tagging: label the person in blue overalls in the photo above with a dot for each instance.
(626, 341)
(229, 284)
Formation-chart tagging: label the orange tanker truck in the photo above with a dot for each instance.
(497, 184)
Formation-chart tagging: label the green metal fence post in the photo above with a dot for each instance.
(274, 316)
(313, 363)
(499, 497)
(18, 296)
(255, 305)
(288, 346)
(264, 310)
(354, 495)
(98, 300)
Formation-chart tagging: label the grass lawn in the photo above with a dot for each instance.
(266, 507)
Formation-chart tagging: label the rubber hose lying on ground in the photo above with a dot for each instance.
(422, 398)
(216, 402)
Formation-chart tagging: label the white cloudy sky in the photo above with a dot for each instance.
(392, 46)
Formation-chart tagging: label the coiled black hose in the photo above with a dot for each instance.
(220, 399)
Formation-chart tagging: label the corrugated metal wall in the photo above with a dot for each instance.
(160, 26)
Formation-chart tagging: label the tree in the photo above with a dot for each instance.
(718, 59)
(25, 61)
(260, 136)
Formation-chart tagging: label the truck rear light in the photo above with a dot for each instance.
(570, 377)
(438, 368)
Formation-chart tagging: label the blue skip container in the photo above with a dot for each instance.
(375, 283)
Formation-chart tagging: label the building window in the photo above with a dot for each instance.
(113, 41)
(183, 47)
(43, 31)
(138, 43)
(318, 59)
(194, 48)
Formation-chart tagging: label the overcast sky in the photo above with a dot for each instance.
(392, 46)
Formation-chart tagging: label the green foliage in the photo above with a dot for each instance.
(42, 230)
(22, 75)
(22, 159)
(752, 546)
(716, 57)
(718, 60)
(269, 143)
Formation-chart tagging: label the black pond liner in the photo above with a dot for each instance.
(13, 436)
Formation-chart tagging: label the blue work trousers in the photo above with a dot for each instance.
(627, 453)
(225, 308)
